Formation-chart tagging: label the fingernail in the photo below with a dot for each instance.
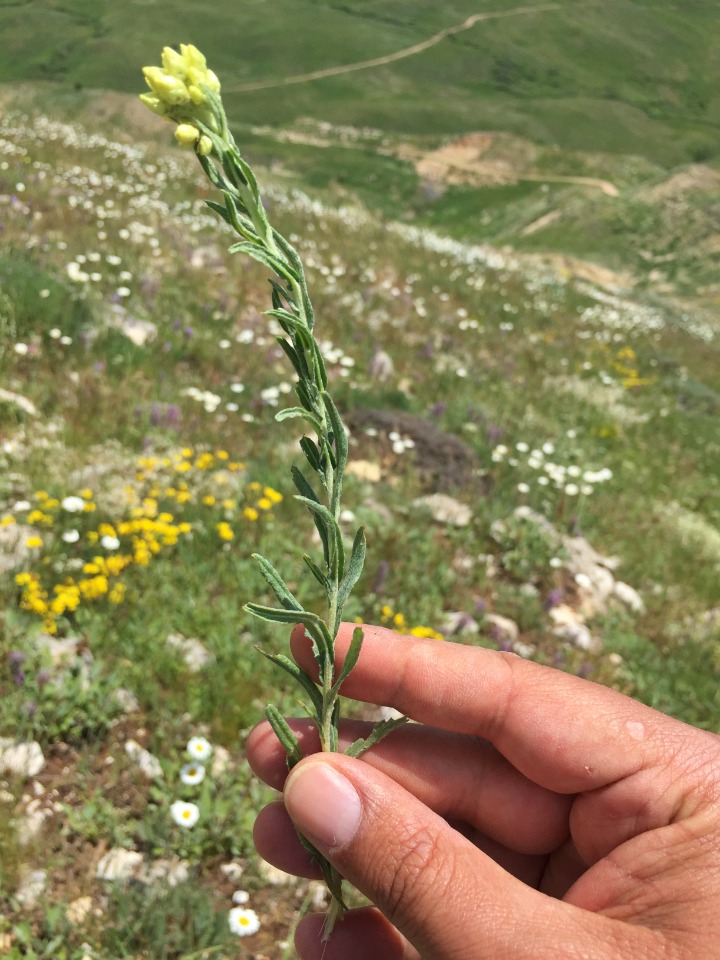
(323, 804)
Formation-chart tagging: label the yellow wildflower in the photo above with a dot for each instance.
(222, 454)
(208, 500)
(86, 494)
(399, 621)
(250, 513)
(225, 531)
(33, 542)
(272, 494)
(264, 503)
(117, 594)
(7, 521)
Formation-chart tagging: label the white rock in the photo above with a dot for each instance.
(62, 651)
(79, 910)
(274, 876)
(195, 655)
(233, 870)
(148, 764)
(629, 596)
(119, 864)
(364, 470)
(31, 888)
(126, 700)
(220, 761)
(524, 650)
(579, 635)
(32, 821)
(458, 623)
(504, 625)
(170, 872)
(445, 509)
(20, 759)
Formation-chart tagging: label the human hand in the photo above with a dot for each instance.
(529, 814)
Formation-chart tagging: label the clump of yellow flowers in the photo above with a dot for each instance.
(182, 91)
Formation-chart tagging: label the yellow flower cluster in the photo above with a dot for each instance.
(625, 364)
(182, 90)
(145, 531)
(398, 623)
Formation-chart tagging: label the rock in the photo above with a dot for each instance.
(220, 761)
(458, 623)
(629, 596)
(524, 650)
(171, 872)
(579, 636)
(126, 700)
(364, 470)
(445, 509)
(504, 627)
(274, 876)
(119, 864)
(195, 655)
(233, 870)
(62, 651)
(32, 821)
(31, 888)
(20, 759)
(13, 550)
(148, 764)
(137, 330)
(79, 910)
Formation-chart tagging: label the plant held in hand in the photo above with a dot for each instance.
(186, 92)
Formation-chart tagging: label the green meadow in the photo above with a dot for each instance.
(527, 368)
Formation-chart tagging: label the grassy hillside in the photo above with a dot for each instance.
(627, 76)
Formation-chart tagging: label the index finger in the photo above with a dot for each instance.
(566, 734)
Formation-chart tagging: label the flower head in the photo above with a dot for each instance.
(192, 773)
(199, 748)
(184, 814)
(186, 91)
(243, 922)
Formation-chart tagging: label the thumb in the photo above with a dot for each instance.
(447, 897)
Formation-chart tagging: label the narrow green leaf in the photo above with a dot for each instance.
(334, 535)
(219, 209)
(290, 413)
(316, 627)
(318, 574)
(282, 292)
(381, 730)
(307, 491)
(312, 454)
(351, 658)
(258, 252)
(354, 569)
(340, 438)
(296, 359)
(289, 666)
(277, 584)
(285, 735)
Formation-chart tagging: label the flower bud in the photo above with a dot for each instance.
(156, 105)
(174, 63)
(192, 56)
(187, 135)
(167, 88)
(204, 147)
(212, 81)
(196, 95)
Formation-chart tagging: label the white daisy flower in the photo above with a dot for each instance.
(73, 504)
(184, 814)
(71, 536)
(243, 922)
(240, 897)
(199, 748)
(109, 543)
(192, 773)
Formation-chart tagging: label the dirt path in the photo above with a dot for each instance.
(608, 188)
(391, 57)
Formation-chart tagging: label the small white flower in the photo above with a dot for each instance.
(522, 447)
(583, 580)
(56, 333)
(523, 488)
(556, 563)
(21, 505)
(184, 814)
(237, 387)
(243, 922)
(73, 504)
(572, 489)
(21, 349)
(71, 536)
(548, 448)
(199, 748)
(224, 344)
(109, 543)
(240, 897)
(192, 774)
